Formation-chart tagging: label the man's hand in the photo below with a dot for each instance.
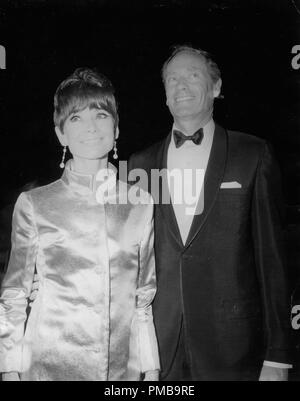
(34, 289)
(271, 374)
(10, 377)
(151, 376)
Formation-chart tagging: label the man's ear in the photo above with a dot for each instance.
(167, 102)
(217, 88)
(117, 132)
(61, 137)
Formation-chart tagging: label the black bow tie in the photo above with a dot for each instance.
(180, 138)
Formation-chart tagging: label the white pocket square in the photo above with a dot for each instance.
(233, 184)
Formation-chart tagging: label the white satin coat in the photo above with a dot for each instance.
(92, 318)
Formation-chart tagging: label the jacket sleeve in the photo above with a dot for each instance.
(147, 342)
(17, 284)
(267, 226)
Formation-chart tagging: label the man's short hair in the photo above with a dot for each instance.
(211, 65)
(84, 88)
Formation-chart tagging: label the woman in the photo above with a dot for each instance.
(92, 317)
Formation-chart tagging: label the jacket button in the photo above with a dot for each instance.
(235, 308)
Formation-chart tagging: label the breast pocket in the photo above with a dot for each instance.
(233, 193)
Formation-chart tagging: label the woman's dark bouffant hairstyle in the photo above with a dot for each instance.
(84, 88)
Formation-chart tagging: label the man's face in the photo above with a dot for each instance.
(189, 88)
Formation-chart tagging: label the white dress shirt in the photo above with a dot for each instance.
(188, 162)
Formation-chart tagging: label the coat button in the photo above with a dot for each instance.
(186, 257)
(235, 308)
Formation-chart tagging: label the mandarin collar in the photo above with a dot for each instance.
(89, 183)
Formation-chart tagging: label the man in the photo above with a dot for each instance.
(221, 310)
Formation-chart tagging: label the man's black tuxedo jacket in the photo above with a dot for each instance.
(227, 284)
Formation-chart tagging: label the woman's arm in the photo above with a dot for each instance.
(149, 358)
(17, 284)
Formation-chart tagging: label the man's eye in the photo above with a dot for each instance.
(74, 118)
(172, 80)
(194, 76)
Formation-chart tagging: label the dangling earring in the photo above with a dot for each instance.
(115, 155)
(62, 164)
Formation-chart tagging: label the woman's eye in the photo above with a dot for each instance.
(102, 115)
(74, 119)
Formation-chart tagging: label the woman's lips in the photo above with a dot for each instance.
(91, 140)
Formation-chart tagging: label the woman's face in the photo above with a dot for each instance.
(89, 133)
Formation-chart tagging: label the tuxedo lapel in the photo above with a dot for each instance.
(165, 204)
(212, 180)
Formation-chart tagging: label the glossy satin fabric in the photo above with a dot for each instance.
(92, 318)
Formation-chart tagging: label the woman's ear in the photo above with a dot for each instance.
(117, 132)
(61, 137)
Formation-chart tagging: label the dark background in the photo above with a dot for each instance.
(128, 41)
